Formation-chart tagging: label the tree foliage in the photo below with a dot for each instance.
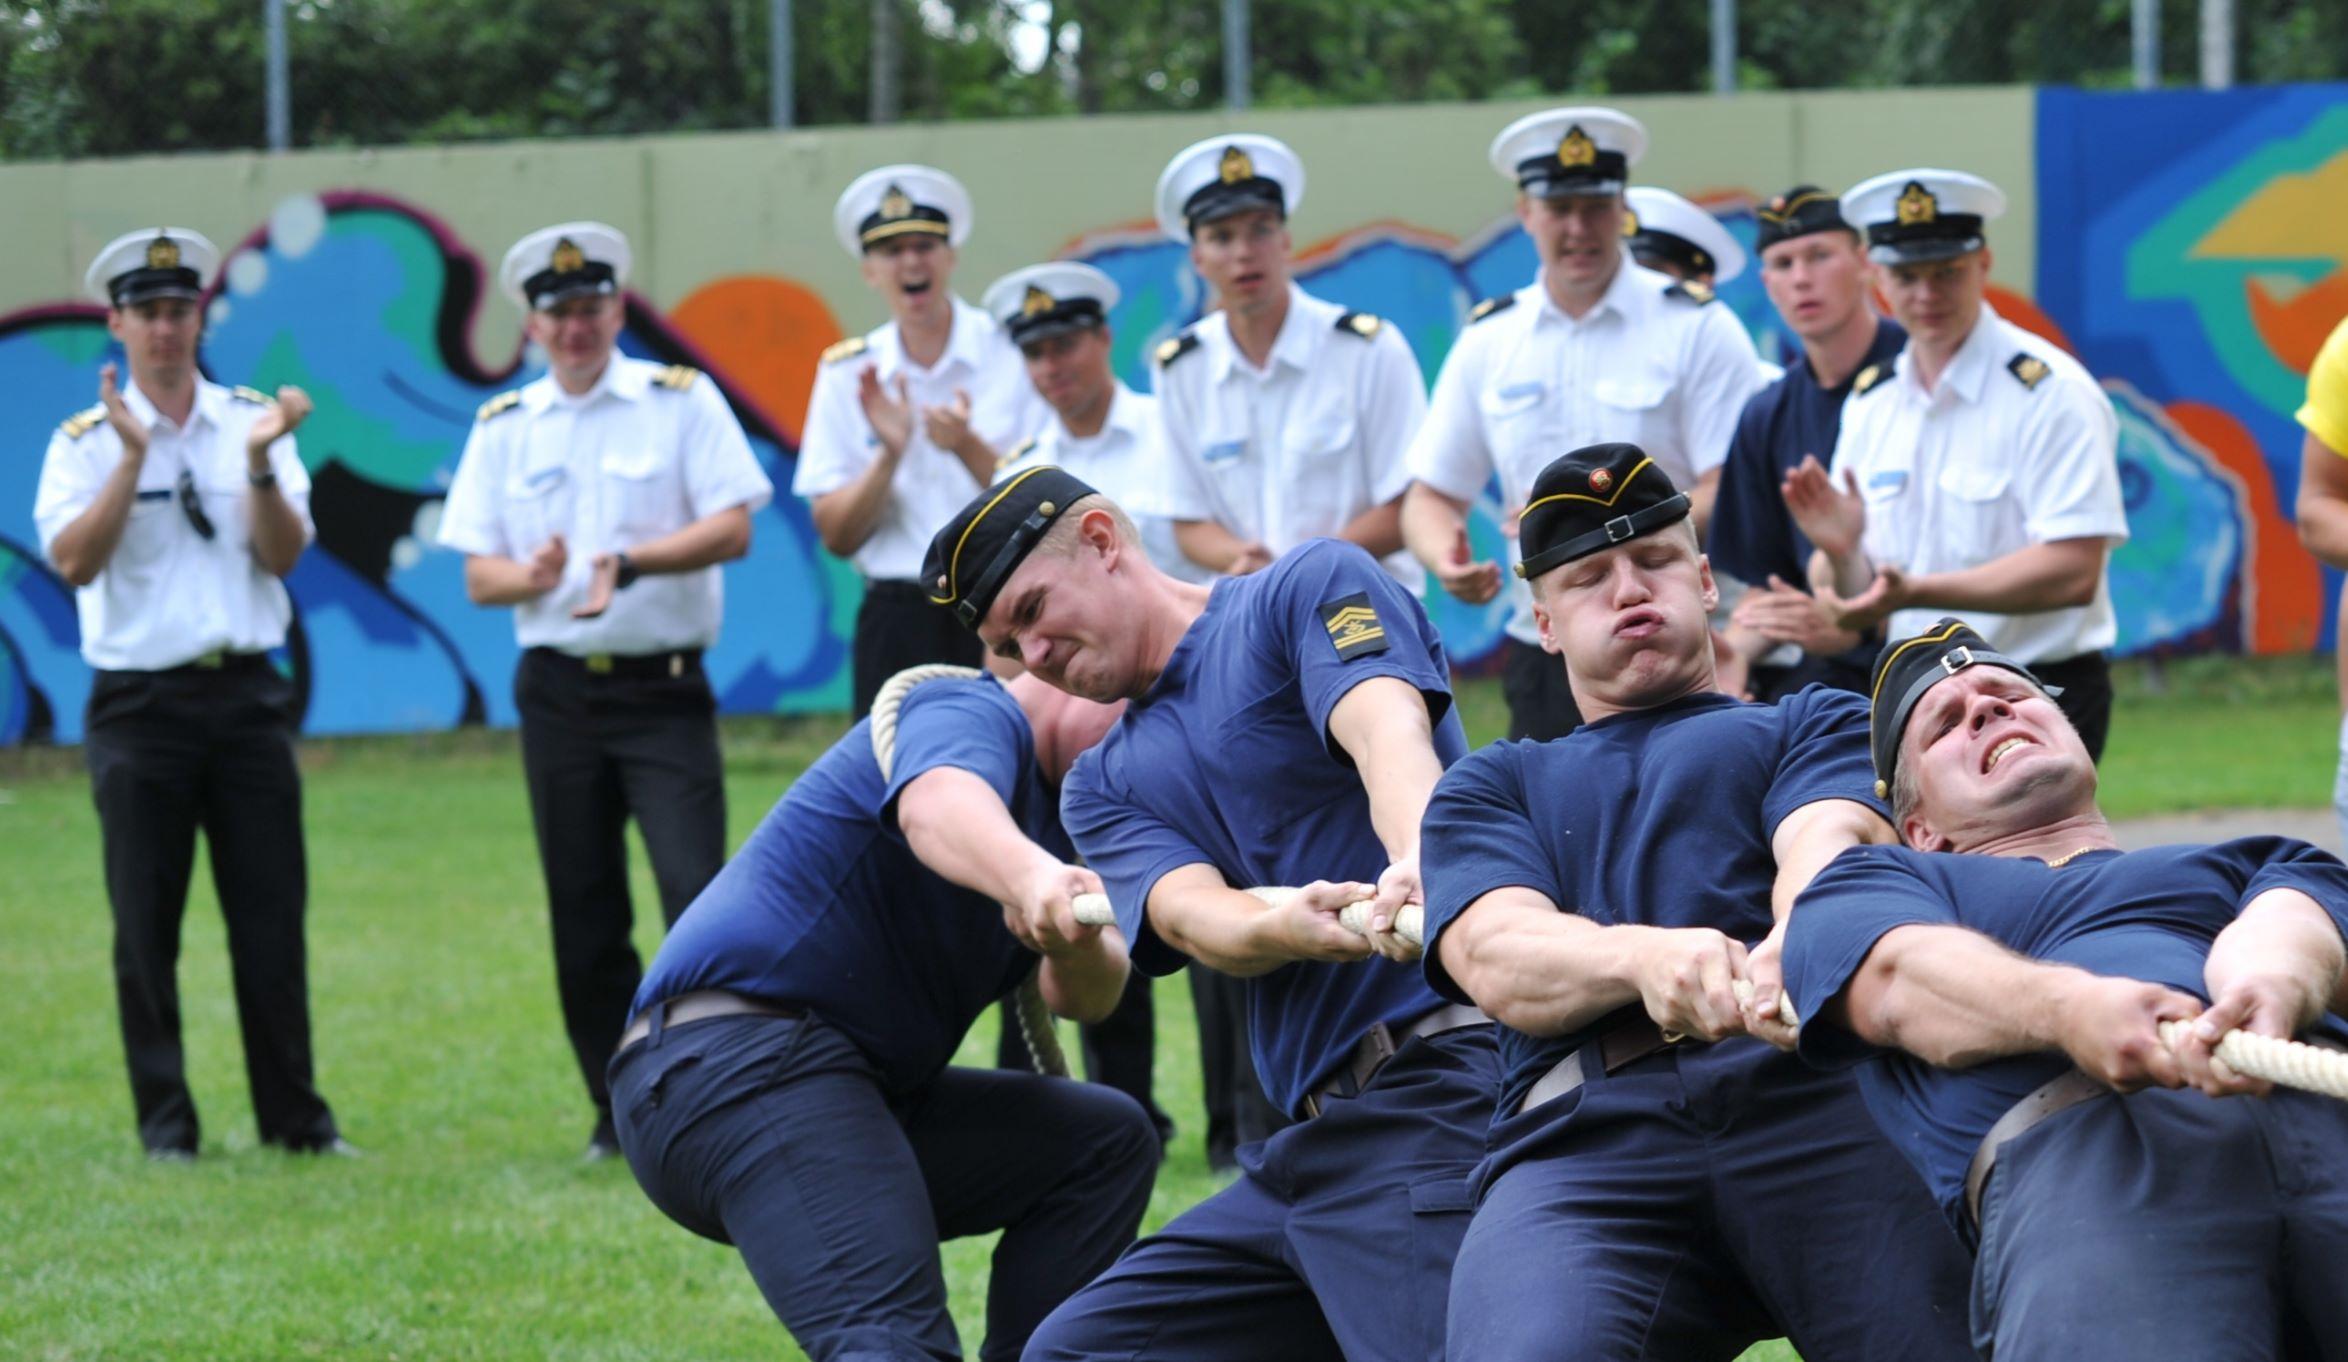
(113, 77)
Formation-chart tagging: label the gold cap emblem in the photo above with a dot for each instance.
(1917, 205)
(162, 254)
(568, 257)
(1237, 165)
(1600, 480)
(894, 204)
(1576, 148)
(1630, 223)
(1037, 302)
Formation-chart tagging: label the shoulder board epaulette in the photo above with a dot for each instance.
(1491, 307)
(677, 377)
(82, 422)
(2029, 369)
(253, 395)
(1869, 377)
(847, 349)
(499, 405)
(1691, 290)
(1361, 324)
(1018, 452)
(1175, 348)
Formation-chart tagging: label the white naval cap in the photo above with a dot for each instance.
(1583, 149)
(568, 260)
(1224, 175)
(1911, 216)
(1050, 299)
(152, 262)
(1661, 223)
(901, 200)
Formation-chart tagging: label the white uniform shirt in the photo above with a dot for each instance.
(1526, 383)
(1297, 449)
(931, 483)
(168, 595)
(1126, 462)
(1984, 465)
(642, 454)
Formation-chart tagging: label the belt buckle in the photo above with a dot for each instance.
(599, 663)
(676, 665)
(212, 661)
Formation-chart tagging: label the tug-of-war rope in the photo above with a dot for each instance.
(2289, 1063)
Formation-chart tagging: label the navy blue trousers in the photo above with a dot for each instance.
(1336, 1242)
(775, 1135)
(1699, 1200)
(2169, 1224)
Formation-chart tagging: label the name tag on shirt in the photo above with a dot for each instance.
(1223, 452)
(1888, 483)
(155, 494)
(541, 479)
(1518, 392)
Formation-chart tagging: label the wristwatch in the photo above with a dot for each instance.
(267, 477)
(628, 571)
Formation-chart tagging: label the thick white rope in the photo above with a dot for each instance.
(1037, 1026)
(2290, 1063)
(1093, 910)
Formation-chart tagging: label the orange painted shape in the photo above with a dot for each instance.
(2295, 330)
(2283, 600)
(2026, 314)
(766, 335)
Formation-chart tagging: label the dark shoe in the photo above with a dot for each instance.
(604, 1143)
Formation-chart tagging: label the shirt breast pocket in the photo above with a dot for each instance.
(1633, 408)
(1977, 518)
(538, 505)
(643, 495)
(147, 531)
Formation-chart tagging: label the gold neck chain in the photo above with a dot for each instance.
(2060, 861)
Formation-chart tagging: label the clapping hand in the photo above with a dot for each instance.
(891, 418)
(126, 423)
(1834, 519)
(284, 416)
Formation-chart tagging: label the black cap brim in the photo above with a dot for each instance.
(1924, 250)
(1057, 326)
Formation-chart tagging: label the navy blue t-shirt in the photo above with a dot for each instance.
(2148, 915)
(827, 908)
(1659, 817)
(1752, 534)
(1227, 761)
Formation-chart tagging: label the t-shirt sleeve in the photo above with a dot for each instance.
(70, 481)
(1854, 902)
(837, 446)
(1748, 498)
(1825, 755)
(1130, 848)
(961, 725)
(2287, 863)
(2325, 413)
(1344, 619)
(1393, 409)
(1477, 836)
(469, 519)
(2069, 479)
(1450, 453)
(1723, 371)
(721, 471)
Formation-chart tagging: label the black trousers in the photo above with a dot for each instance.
(1238, 1113)
(598, 748)
(169, 753)
(2086, 700)
(776, 1135)
(1540, 699)
(896, 628)
(1120, 1050)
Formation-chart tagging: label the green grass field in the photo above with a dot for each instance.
(471, 1230)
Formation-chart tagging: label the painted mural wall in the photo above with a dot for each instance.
(2187, 267)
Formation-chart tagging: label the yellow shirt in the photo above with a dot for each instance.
(2326, 413)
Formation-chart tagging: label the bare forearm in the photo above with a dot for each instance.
(491, 580)
(2053, 576)
(979, 457)
(2286, 936)
(957, 826)
(276, 529)
(1086, 983)
(1208, 544)
(845, 519)
(2323, 501)
(1378, 529)
(1843, 575)
(1811, 836)
(1220, 927)
(719, 537)
(82, 550)
(1956, 998)
(1538, 970)
(1431, 522)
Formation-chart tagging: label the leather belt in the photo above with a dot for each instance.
(700, 1005)
(2059, 1095)
(637, 666)
(1626, 1042)
(1375, 1048)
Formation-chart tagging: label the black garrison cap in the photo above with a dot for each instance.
(987, 540)
(1799, 211)
(1592, 499)
(1907, 668)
